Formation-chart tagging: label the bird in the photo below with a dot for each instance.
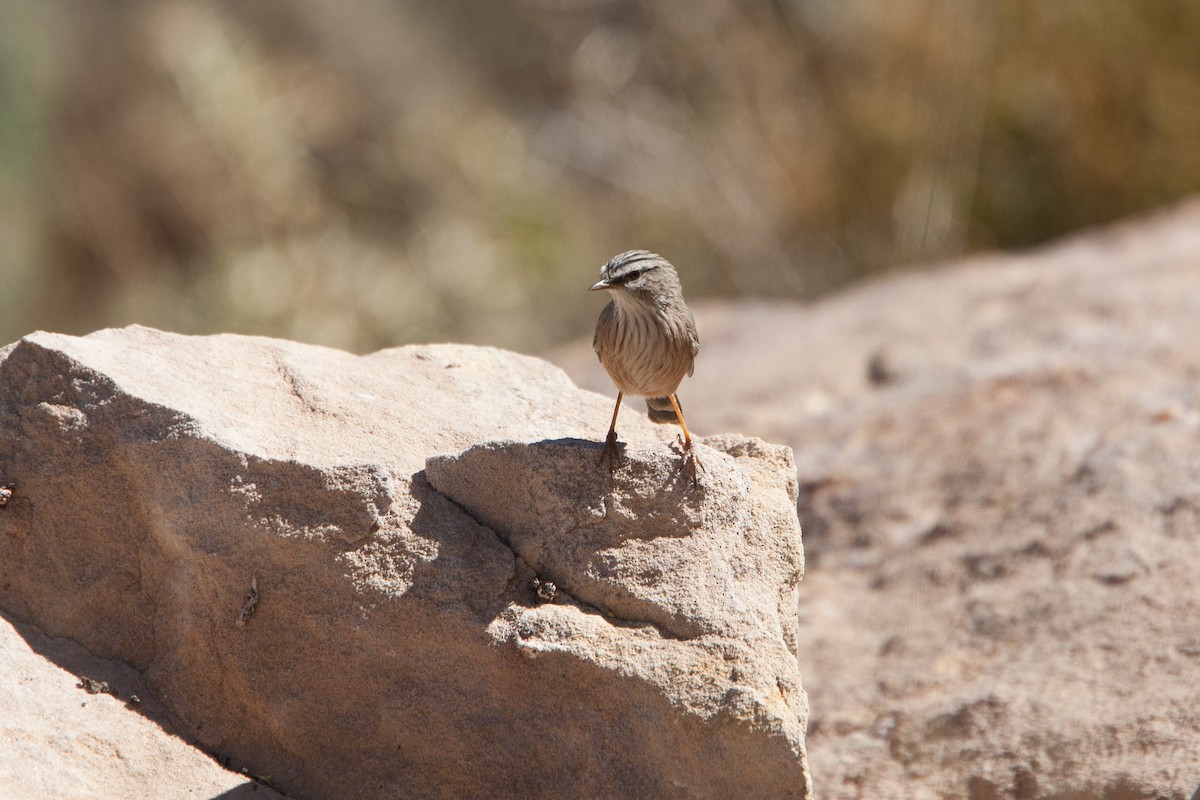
(646, 340)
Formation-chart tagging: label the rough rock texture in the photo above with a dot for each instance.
(720, 600)
(396, 647)
(999, 474)
(57, 740)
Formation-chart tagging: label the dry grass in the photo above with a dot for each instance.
(459, 170)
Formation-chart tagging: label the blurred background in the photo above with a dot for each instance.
(380, 172)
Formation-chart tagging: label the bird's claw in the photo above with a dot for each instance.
(611, 455)
(690, 459)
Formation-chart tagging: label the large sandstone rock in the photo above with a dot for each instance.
(397, 647)
(58, 740)
(1000, 491)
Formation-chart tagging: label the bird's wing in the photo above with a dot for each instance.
(605, 315)
(694, 338)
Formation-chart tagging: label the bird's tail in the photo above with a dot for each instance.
(661, 411)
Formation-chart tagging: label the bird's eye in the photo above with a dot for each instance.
(632, 276)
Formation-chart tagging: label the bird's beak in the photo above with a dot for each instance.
(600, 285)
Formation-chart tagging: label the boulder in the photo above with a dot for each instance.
(67, 730)
(406, 574)
(999, 468)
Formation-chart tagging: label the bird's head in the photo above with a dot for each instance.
(639, 276)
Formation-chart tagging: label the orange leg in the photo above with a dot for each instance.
(687, 437)
(611, 454)
(689, 454)
(612, 429)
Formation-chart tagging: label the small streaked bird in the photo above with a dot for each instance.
(646, 339)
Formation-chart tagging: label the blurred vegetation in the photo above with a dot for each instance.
(378, 172)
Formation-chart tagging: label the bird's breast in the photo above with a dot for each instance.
(643, 351)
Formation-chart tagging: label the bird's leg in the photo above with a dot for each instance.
(612, 453)
(689, 455)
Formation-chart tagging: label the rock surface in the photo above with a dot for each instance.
(57, 740)
(999, 474)
(392, 644)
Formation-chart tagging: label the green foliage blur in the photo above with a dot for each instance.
(373, 173)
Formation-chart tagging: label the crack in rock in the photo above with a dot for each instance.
(561, 581)
(641, 547)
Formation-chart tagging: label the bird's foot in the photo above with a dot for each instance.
(691, 461)
(613, 454)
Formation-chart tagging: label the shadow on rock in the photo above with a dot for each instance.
(639, 543)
